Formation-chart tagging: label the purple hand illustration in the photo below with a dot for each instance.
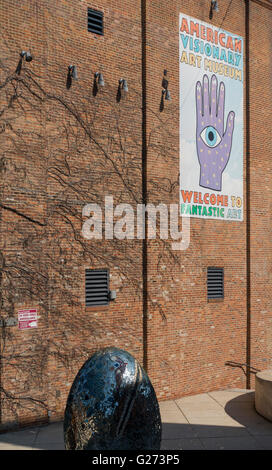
(213, 144)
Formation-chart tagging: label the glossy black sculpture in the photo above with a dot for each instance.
(112, 405)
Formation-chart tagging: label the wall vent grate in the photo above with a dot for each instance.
(96, 287)
(215, 283)
(95, 21)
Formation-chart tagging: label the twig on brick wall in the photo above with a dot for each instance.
(18, 399)
(20, 214)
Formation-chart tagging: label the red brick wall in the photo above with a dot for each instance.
(63, 148)
(260, 66)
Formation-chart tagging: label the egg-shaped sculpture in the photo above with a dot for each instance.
(112, 405)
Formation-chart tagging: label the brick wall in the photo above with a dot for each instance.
(260, 67)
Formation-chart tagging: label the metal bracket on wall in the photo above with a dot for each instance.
(10, 321)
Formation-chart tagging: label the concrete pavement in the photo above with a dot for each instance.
(216, 420)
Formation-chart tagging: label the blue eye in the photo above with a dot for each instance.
(210, 136)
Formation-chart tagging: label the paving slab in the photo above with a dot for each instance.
(199, 399)
(260, 429)
(218, 429)
(24, 437)
(198, 406)
(200, 412)
(224, 421)
(264, 441)
(175, 425)
(50, 446)
(52, 433)
(194, 414)
(231, 443)
(182, 444)
(176, 431)
(171, 413)
(224, 396)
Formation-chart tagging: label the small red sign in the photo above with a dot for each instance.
(27, 319)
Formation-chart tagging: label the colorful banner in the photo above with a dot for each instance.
(211, 121)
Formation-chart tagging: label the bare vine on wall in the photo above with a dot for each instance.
(58, 153)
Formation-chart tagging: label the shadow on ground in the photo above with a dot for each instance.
(206, 421)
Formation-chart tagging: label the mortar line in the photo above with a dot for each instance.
(182, 413)
(214, 399)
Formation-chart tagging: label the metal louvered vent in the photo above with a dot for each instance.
(215, 283)
(95, 21)
(96, 287)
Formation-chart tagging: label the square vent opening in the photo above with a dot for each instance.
(95, 21)
(215, 283)
(96, 287)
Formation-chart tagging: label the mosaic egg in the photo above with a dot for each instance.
(112, 405)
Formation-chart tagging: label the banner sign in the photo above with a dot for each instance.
(211, 121)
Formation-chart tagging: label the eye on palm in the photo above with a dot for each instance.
(213, 143)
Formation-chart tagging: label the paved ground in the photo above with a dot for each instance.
(216, 420)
